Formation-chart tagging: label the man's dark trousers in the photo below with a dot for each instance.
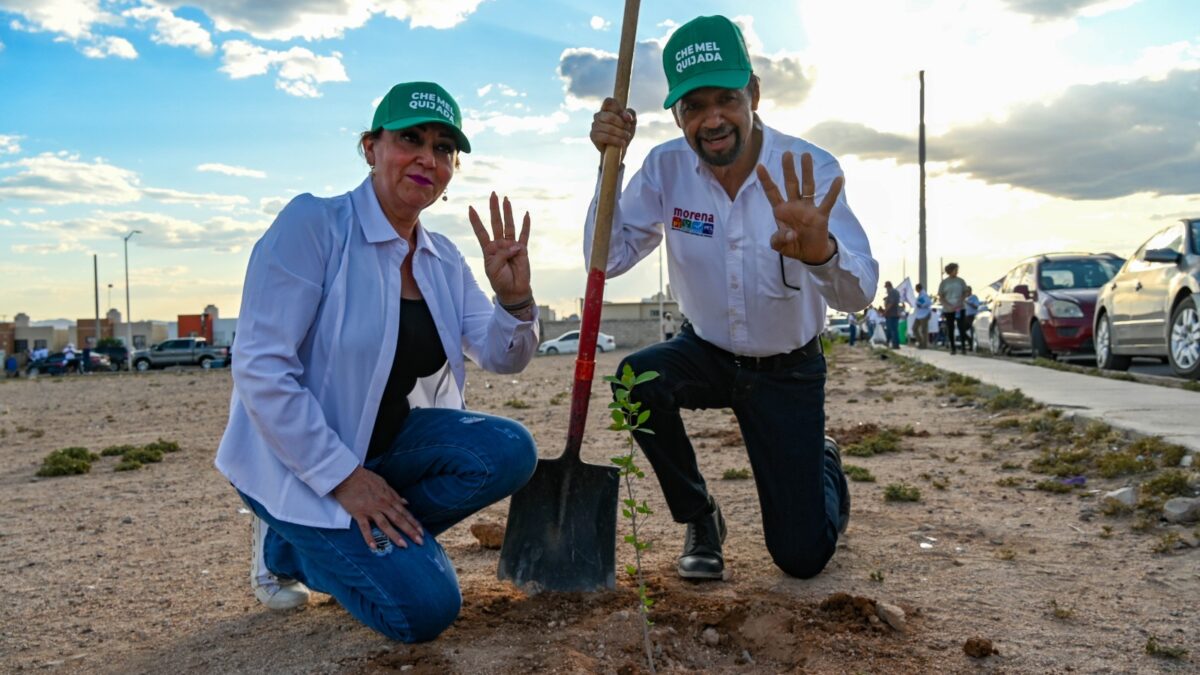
(782, 417)
(893, 331)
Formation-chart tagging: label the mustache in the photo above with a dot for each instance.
(718, 132)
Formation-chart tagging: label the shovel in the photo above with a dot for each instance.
(562, 526)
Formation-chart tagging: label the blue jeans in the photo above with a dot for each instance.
(448, 464)
(782, 418)
(892, 328)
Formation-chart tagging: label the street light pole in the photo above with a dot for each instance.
(128, 317)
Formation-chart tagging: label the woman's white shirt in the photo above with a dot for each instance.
(315, 340)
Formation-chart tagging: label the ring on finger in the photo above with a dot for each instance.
(812, 196)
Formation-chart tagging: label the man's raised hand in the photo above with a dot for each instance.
(613, 126)
(803, 231)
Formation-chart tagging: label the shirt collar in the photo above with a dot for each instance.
(374, 223)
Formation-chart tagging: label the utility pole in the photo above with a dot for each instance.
(128, 314)
(921, 157)
(96, 282)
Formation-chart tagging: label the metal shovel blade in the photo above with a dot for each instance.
(562, 528)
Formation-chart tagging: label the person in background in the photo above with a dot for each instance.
(951, 293)
(891, 314)
(347, 433)
(921, 314)
(70, 358)
(970, 309)
(761, 241)
(668, 326)
(852, 322)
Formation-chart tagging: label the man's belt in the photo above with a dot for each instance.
(767, 364)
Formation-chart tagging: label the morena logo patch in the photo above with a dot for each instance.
(693, 222)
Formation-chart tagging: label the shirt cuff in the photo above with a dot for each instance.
(825, 269)
(329, 474)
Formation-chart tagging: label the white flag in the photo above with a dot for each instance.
(907, 294)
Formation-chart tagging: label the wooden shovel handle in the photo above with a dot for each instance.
(585, 363)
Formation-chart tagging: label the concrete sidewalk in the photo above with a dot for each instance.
(1147, 409)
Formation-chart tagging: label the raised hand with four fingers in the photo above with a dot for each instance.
(803, 225)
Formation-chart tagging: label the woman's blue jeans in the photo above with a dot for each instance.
(448, 464)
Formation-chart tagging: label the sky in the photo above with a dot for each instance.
(1052, 125)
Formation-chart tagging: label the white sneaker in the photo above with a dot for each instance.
(272, 590)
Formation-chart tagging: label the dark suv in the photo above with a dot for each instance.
(1046, 303)
(118, 355)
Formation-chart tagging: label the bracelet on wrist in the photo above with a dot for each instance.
(516, 306)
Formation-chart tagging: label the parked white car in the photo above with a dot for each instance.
(568, 343)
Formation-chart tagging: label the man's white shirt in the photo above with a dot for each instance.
(727, 278)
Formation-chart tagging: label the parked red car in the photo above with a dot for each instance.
(1046, 303)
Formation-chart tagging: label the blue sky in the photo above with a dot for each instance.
(1054, 125)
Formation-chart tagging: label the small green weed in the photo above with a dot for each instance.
(901, 492)
(114, 450)
(1012, 466)
(1007, 423)
(1010, 400)
(67, 462)
(1010, 481)
(884, 441)
(558, 398)
(1169, 483)
(516, 403)
(1115, 509)
(736, 474)
(127, 464)
(1153, 648)
(1006, 554)
(860, 474)
(163, 446)
(877, 576)
(1054, 486)
(1166, 543)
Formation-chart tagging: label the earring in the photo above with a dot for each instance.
(372, 170)
(444, 197)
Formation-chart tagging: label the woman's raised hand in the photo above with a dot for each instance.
(505, 255)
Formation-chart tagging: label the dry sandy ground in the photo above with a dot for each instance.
(146, 571)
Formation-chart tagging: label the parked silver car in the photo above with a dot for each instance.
(1152, 306)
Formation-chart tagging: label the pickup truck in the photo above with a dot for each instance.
(181, 352)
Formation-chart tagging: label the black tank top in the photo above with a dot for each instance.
(419, 353)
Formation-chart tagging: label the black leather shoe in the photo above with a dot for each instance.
(702, 558)
(831, 450)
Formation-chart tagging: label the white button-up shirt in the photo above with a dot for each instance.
(722, 269)
(316, 337)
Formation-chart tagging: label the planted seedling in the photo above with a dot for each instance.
(628, 417)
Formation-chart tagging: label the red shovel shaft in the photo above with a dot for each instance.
(593, 300)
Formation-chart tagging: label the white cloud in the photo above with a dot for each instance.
(220, 233)
(64, 179)
(229, 170)
(272, 205)
(588, 74)
(73, 19)
(170, 196)
(324, 19)
(598, 23)
(299, 70)
(107, 46)
(475, 122)
(172, 30)
(9, 145)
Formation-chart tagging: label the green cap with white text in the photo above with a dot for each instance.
(410, 104)
(708, 51)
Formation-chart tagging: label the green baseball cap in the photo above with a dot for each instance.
(409, 104)
(708, 51)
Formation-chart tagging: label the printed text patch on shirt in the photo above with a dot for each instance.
(692, 222)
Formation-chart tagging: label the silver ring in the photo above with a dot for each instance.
(813, 196)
